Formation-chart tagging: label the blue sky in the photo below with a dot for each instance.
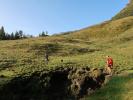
(55, 16)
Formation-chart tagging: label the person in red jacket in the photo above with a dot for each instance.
(109, 64)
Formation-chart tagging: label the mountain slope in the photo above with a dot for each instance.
(126, 12)
(120, 23)
(107, 29)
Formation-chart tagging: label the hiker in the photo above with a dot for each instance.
(62, 60)
(109, 64)
(46, 57)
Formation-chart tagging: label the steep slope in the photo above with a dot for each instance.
(107, 29)
(120, 23)
(126, 12)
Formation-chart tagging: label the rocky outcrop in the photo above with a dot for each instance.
(59, 84)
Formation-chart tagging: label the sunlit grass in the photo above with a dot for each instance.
(19, 56)
(118, 88)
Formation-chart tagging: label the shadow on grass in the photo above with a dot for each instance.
(6, 63)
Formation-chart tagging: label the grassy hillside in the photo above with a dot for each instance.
(126, 12)
(86, 47)
(27, 55)
(120, 23)
(20, 57)
(107, 29)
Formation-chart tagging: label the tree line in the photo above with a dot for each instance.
(43, 34)
(17, 35)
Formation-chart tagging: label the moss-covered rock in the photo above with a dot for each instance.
(58, 84)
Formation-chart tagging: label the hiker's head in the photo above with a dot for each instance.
(107, 56)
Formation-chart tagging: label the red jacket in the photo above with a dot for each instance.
(110, 61)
